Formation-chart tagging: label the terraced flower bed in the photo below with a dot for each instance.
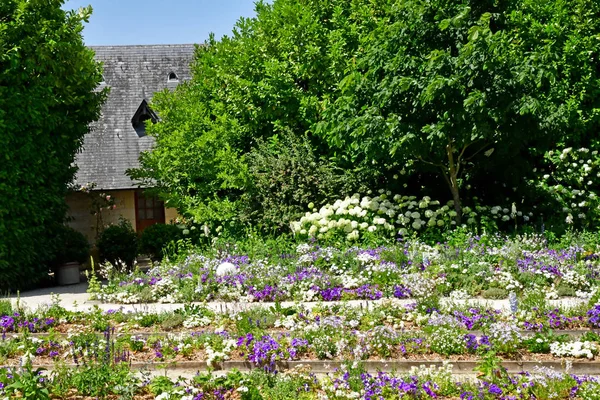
(416, 333)
(488, 266)
(390, 336)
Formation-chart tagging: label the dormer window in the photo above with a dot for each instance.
(143, 114)
(173, 77)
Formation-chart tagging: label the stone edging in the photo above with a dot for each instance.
(400, 366)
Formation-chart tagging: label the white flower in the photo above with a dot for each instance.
(226, 268)
(352, 235)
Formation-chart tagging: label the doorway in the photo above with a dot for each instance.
(149, 210)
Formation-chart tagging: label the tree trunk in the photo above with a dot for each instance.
(452, 180)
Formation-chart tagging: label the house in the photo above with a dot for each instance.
(133, 74)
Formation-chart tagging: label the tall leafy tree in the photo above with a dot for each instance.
(48, 97)
(266, 80)
(447, 84)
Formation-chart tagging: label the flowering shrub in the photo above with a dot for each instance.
(392, 215)
(572, 182)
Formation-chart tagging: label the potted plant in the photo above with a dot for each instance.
(74, 250)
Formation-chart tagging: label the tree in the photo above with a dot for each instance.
(48, 97)
(267, 79)
(444, 84)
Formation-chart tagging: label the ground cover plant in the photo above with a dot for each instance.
(90, 353)
(466, 265)
(348, 382)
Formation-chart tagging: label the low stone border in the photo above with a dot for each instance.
(233, 306)
(323, 367)
(575, 333)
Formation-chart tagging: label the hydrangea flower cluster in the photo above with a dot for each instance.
(393, 215)
(572, 181)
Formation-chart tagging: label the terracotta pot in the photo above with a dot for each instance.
(67, 274)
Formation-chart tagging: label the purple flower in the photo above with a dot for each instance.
(593, 316)
(494, 389)
(331, 294)
(402, 292)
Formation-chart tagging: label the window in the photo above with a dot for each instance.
(143, 114)
(173, 77)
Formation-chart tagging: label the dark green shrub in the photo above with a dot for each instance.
(73, 246)
(155, 238)
(286, 174)
(118, 242)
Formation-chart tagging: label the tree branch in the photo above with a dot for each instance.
(459, 159)
(477, 152)
(431, 163)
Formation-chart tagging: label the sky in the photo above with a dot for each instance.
(118, 22)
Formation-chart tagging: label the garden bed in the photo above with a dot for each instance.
(384, 312)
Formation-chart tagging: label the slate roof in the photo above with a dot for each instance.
(134, 74)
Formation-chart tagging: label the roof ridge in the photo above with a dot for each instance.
(146, 45)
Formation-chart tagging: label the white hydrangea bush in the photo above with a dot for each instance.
(392, 215)
(573, 181)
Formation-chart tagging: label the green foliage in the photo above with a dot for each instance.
(286, 175)
(160, 384)
(48, 98)
(449, 86)
(265, 80)
(396, 93)
(172, 321)
(494, 293)
(5, 307)
(26, 383)
(118, 243)
(98, 378)
(155, 239)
